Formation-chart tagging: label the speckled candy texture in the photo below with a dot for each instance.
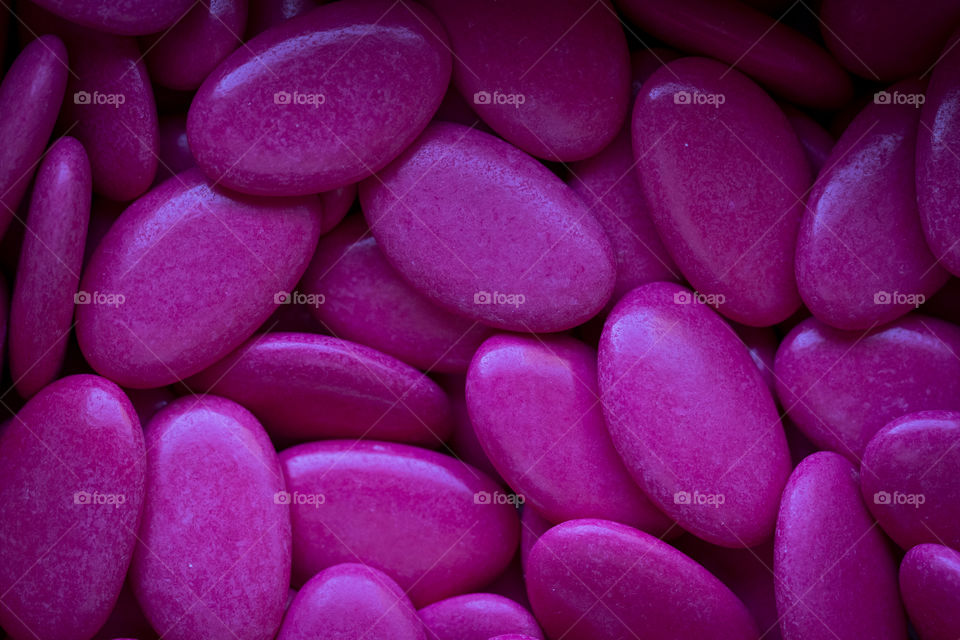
(691, 416)
(477, 616)
(489, 233)
(322, 100)
(724, 176)
(71, 489)
(930, 587)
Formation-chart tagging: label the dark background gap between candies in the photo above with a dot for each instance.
(464, 320)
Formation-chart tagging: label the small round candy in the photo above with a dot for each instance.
(477, 616)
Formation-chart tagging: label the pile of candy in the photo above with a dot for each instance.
(480, 319)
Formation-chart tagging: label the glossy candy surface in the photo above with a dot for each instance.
(930, 585)
(476, 616)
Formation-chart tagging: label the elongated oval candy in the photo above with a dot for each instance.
(691, 416)
(930, 586)
(556, 102)
(447, 214)
(305, 386)
(185, 275)
(841, 387)
(535, 406)
(131, 17)
(909, 478)
(592, 579)
(41, 311)
(450, 529)
(723, 174)
(214, 553)
(937, 162)
(609, 186)
(364, 299)
(111, 110)
(476, 616)
(350, 601)
(776, 56)
(71, 490)
(322, 100)
(835, 574)
(862, 259)
(30, 98)
(182, 57)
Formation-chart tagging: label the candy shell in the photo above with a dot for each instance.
(930, 586)
(336, 205)
(130, 17)
(263, 14)
(173, 150)
(816, 141)
(476, 616)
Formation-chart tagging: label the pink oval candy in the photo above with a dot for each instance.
(909, 478)
(183, 56)
(71, 489)
(30, 98)
(447, 214)
(322, 100)
(477, 616)
(840, 387)
(214, 553)
(561, 90)
(778, 57)
(198, 269)
(41, 311)
(351, 601)
(835, 574)
(463, 441)
(535, 406)
(862, 259)
(364, 299)
(305, 386)
(691, 416)
(450, 529)
(724, 174)
(816, 141)
(130, 17)
(930, 586)
(591, 579)
(336, 205)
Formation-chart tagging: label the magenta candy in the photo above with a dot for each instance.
(182, 57)
(561, 90)
(71, 489)
(816, 141)
(762, 344)
(130, 17)
(691, 416)
(886, 41)
(776, 56)
(477, 616)
(930, 586)
(591, 579)
(41, 311)
(723, 173)
(322, 100)
(198, 269)
(836, 575)
(463, 440)
(937, 162)
(30, 98)
(348, 602)
(862, 259)
(534, 404)
(214, 554)
(909, 478)
(450, 530)
(446, 215)
(263, 14)
(173, 150)
(610, 188)
(305, 386)
(840, 387)
(532, 527)
(364, 299)
(336, 205)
